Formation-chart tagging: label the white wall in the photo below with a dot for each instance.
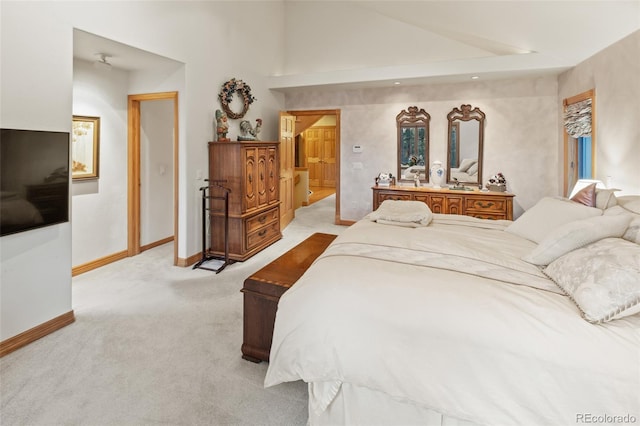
(156, 171)
(35, 82)
(615, 75)
(99, 206)
(215, 40)
(520, 136)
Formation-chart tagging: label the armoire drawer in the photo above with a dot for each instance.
(262, 235)
(262, 219)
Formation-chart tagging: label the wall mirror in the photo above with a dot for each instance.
(413, 144)
(579, 139)
(464, 149)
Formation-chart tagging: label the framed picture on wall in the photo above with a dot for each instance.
(85, 144)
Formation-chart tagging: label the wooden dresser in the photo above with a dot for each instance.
(251, 170)
(485, 205)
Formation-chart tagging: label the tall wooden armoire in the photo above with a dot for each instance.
(252, 173)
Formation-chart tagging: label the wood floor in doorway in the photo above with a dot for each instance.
(319, 192)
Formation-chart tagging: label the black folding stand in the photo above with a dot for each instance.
(206, 212)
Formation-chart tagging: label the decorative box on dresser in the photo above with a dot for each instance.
(252, 174)
(485, 205)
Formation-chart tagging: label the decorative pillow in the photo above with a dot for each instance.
(466, 163)
(576, 234)
(473, 169)
(605, 198)
(602, 279)
(548, 214)
(633, 230)
(586, 196)
(629, 202)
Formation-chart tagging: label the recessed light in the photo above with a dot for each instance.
(396, 83)
(474, 77)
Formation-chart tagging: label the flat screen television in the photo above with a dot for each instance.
(34, 179)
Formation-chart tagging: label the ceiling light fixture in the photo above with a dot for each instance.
(101, 62)
(397, 83)
(474, 77)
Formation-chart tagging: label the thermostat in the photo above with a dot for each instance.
(357, 148)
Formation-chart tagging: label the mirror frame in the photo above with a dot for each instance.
(413, 117)
(465, 113)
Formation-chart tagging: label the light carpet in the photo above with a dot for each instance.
(156, 344)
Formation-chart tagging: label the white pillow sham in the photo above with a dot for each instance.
(473, 169)
(466, 163)
(632, 232)
(576, 234)
(629, 202)
(549, 213)
(605, 198)
(602, 279)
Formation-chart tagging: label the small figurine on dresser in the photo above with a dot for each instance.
(497, 182)
(222, 126)
(249, 133)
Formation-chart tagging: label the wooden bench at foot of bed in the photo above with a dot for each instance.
(263, 289)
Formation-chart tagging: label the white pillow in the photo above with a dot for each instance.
(602, 279)
(576, 234)
(473, 169)
(633, 230)
(549, 213)
(629, 202)
(466, 163)
(605, 198)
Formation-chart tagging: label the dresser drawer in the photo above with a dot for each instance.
(392, 196)
(488, 215)
(493, 204)
(263, 235)
(260, 220)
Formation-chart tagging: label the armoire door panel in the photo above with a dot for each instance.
(250, 185)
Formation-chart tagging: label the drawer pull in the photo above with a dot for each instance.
(261, 233)
(250, 178)
(262, 219)
(271, 174)
(261, 176)
(485, 206)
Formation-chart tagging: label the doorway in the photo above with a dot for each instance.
(322, 154)
(135, 149)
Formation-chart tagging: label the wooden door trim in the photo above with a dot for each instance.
(336, 113)
(133, 169)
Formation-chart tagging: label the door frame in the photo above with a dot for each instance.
(133, 169)
(336, 113)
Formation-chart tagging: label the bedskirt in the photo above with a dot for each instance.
(357, 405)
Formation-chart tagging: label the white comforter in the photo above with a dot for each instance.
(487, 348)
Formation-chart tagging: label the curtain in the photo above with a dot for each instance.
(577, 119)
(584, 157)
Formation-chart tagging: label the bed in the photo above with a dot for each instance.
(411, 318)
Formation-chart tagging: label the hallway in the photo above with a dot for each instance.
(319, 192)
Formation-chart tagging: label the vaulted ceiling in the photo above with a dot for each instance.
(345, 44)
(374, 43)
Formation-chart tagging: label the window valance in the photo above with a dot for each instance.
(577, 119)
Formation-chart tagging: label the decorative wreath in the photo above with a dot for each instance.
(226, 96)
